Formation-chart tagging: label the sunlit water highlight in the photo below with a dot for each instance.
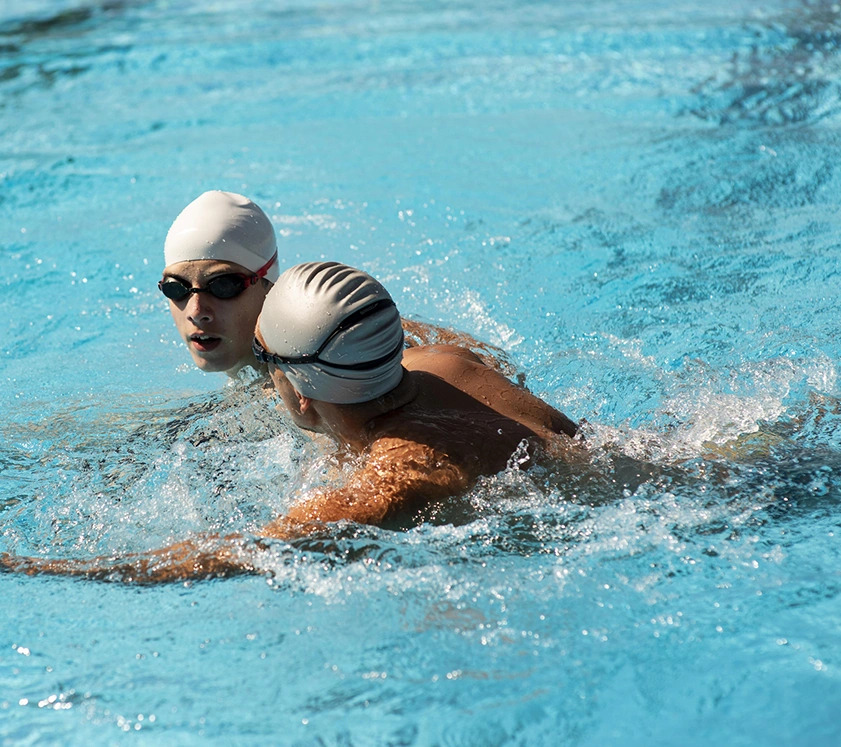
(637, 201)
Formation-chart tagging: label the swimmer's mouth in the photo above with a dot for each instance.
(205, 342)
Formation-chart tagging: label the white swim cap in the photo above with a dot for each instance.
(334, 331)
(224, 226)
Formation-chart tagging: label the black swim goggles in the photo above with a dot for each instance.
(229, 285)
(264, 356)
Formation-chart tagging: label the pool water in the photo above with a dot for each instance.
(638, 201)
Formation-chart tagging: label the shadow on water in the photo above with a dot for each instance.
(780, 84)
(78, 18)
(35, 50)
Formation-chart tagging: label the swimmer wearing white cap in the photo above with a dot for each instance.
(425, 423)
(221, 259)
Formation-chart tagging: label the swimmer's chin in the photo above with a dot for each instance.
(216, 364)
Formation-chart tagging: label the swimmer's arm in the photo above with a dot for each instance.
(397, 476)
(208, 557)
(370, 505)
(367, 499)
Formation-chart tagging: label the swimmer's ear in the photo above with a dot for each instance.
(303, 402)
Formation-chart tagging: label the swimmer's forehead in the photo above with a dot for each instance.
(200, 268)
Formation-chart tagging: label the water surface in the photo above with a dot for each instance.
(638, 201)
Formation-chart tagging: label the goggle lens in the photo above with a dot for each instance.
(227, 286)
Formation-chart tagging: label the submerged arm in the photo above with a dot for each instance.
(210, 557)
(397, 476)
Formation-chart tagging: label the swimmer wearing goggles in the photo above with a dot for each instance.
(221, 259)
(424, 426)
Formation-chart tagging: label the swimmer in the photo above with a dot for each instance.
(423, 424)
(221, 260)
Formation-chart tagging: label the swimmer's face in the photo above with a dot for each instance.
(306, 417)
(217, 331)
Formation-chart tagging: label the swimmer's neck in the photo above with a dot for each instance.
(355, 426)
(403, 394)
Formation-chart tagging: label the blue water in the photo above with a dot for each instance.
(638, 201)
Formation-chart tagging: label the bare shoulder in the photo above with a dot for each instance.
(422, 357)
(462, 371)
(423, 334)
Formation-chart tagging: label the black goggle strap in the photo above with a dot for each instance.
(264, 356)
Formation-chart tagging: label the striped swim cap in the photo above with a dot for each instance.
(334, 331)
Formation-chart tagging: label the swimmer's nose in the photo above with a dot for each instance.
(200, 307)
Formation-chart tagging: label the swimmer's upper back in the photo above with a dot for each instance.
(462, 369)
